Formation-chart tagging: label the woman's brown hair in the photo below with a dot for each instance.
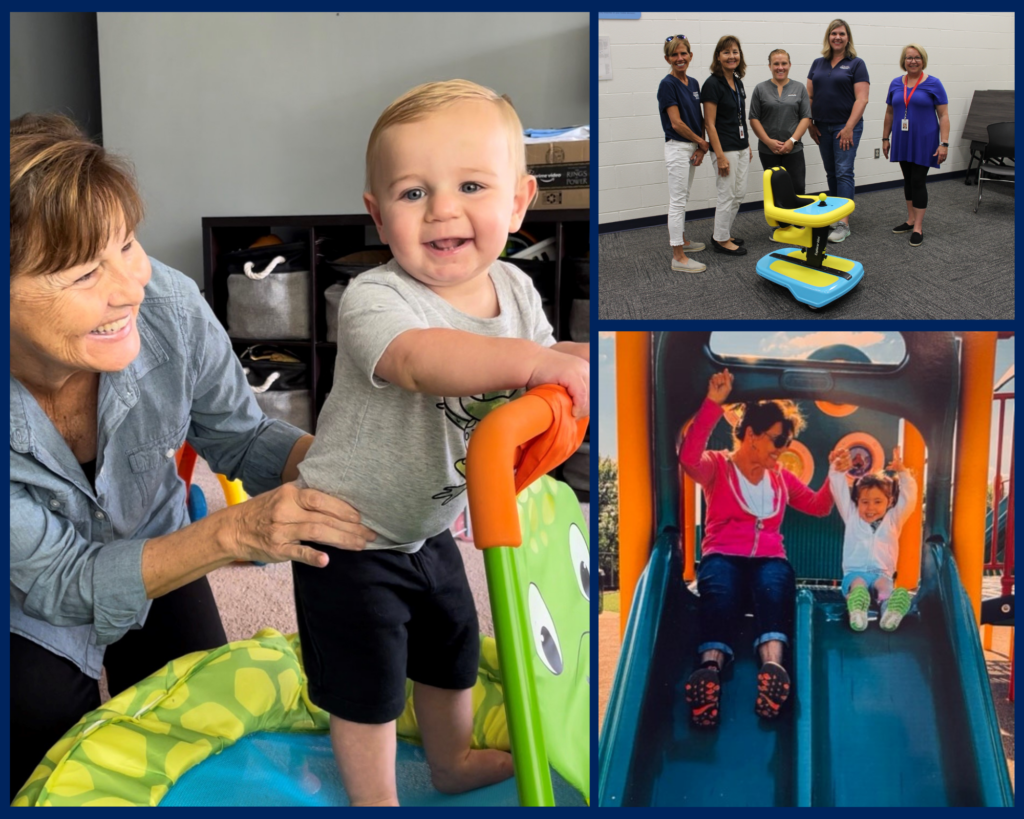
(716, 64)
(68, 195)
(761, 416)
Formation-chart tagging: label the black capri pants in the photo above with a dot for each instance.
(793, 163)
(49, 693)
(914, 190)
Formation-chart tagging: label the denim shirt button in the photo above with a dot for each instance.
(98, 515)
(54, 503)
(169, 453)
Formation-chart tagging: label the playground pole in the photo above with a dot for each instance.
(908, 565)
(970, 481)
(636, 496)
(689, 527)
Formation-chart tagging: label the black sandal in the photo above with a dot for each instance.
(773, 689)
(702, 691)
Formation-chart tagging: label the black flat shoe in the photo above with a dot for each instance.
(916, 239)
(739, 251)
(904, 228)
(737, 242)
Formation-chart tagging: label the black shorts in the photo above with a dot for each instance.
(368, 620)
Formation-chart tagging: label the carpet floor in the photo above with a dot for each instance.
(964, 269)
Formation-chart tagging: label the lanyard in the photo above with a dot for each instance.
(906, 99)
(739, 106)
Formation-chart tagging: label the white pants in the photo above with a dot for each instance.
(679, 159)
(731, 190)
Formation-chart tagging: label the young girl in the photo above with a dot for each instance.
(874, 510)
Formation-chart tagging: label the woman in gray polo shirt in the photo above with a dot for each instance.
(780, 113)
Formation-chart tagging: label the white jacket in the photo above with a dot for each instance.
(866, 549)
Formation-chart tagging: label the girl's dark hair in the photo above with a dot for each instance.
(876, 480)
(761, 416)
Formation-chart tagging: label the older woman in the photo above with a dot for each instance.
(838, 85)
(116, 361)
(919, 104)
(742, 556)
(685, 146)
(780, 113)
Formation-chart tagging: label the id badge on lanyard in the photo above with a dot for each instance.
(905, 126)
(739, 109)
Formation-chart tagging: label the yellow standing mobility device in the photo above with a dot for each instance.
(812, 276)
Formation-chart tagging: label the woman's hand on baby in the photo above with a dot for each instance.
(269, 528)
(569, 371)
(719, 386)
(896, 464)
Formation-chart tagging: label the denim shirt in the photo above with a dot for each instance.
(76, 551)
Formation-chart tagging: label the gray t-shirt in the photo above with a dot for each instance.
(398, 456)
(779, 115)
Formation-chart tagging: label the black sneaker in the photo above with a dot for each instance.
(916, 239)
(904, 228)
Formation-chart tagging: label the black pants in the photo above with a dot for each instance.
(794, 165)
(49, 694)
(914, 190)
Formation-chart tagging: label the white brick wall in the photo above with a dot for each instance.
(967, 52)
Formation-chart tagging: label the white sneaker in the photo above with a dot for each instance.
(858, 620)
(839, 232)
(689, 266)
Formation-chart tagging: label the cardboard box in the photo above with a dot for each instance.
(563, 174)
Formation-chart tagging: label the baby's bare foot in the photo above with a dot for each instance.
(476, 770)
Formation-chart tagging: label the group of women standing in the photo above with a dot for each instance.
(830, 108)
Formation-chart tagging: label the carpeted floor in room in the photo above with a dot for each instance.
(963, 270)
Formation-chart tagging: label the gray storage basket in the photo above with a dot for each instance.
(268, 304)
(332, 295)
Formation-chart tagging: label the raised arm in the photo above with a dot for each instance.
(697, 463)
(804, 499)
(839, 463)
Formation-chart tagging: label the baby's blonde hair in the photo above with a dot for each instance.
(422, 100)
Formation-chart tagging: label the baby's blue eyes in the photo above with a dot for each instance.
(417, 194)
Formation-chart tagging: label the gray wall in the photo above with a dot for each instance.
(268, 114)
(55, 66)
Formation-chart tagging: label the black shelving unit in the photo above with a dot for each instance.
(330, 237)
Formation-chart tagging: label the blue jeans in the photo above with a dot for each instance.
(838, 163)
(728, 586)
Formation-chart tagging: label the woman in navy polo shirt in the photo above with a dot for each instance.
(838, 85)
(917, 104)
(685, 146)
(723, 95)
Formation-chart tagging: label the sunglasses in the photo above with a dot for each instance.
(674, 36)
(780, 441)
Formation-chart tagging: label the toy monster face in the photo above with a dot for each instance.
(558, 567)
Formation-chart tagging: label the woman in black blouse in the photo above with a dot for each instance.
(723, 96)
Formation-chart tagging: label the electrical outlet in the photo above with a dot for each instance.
(876, 153)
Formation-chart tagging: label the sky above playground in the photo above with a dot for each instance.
(880, 347)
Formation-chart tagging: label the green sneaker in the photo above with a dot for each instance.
(896, 608)
(857, 602)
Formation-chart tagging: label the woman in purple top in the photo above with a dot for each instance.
(918, 105)
(685, 146)
(838, 86)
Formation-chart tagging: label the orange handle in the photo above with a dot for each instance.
(512, 447)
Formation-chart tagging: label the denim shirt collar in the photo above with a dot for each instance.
(33, 431)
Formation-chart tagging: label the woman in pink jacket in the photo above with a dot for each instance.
(742, 555)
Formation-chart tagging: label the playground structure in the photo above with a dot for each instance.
(876, 719)
(234, 726)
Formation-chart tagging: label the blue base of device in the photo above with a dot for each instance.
(809, 294)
